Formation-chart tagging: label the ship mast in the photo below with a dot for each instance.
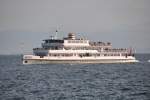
(56, 34)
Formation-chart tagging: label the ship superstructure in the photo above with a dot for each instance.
(78, 50)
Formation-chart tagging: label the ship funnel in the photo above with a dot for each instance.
(71, 36)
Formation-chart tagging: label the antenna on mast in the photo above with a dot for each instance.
(56, 34)
(57, 29)
(54, 31)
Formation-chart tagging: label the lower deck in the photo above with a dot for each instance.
(55, 60)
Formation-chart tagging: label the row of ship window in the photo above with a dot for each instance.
(77, 41)
(99, 49)
(83, 48)
(86, 55)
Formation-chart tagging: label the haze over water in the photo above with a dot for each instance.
(24, 24)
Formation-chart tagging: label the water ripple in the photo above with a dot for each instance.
(73, 82)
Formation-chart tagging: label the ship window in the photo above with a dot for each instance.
(85, 41)
(46, 41)
(26, 61)
(98, 54)
(41, 57)
(55, 55)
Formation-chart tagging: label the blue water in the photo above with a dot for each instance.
(74, 82)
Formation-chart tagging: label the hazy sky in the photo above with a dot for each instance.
(25, 23)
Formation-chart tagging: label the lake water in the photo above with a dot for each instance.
(74, 82)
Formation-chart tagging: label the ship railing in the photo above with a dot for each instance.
(51, 48)
(123, 52)
(84, 48)
(117, 50)
(100, 44)
(40, 49)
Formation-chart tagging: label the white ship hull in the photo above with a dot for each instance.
(76, 60)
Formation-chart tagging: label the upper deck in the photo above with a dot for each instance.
(72, 41)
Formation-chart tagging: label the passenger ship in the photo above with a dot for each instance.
(77, 50)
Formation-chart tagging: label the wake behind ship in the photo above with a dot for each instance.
(78, 50)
